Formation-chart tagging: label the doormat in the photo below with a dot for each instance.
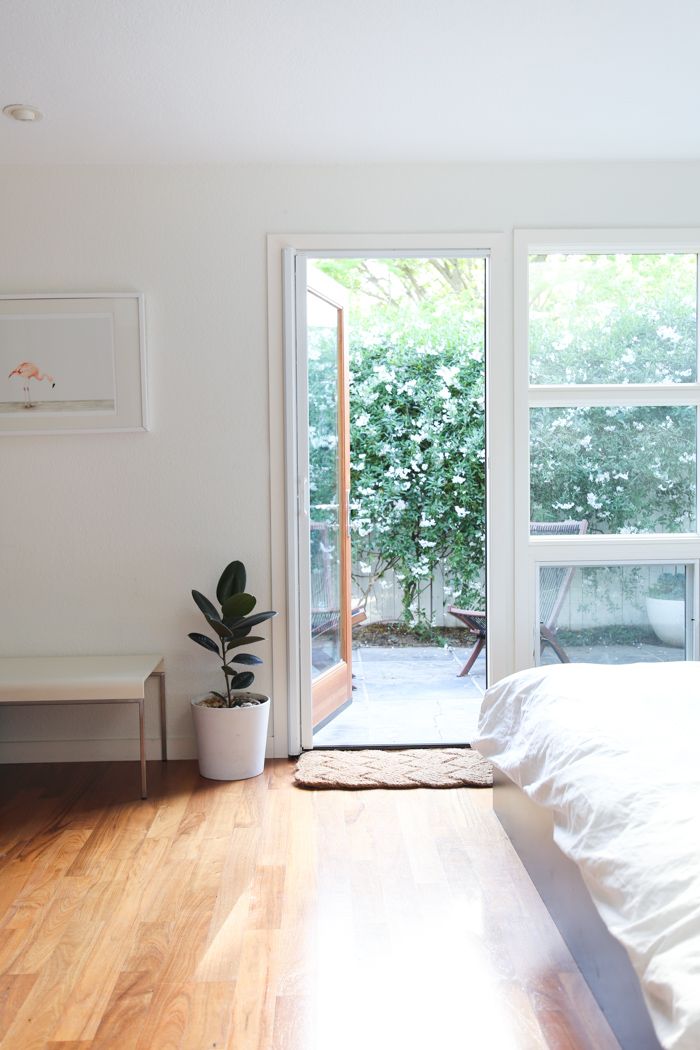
(439, 767)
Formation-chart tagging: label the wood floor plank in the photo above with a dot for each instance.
(14, 989)
(257, 916)
(125, 1013)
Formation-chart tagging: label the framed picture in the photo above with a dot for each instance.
(72, 363)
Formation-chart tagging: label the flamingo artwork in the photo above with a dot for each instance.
(27, 370)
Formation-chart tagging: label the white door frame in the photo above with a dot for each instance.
(290, 735)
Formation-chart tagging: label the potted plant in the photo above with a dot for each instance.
(666, 608)
(231, 724)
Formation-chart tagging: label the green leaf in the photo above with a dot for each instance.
(206, 643)
(221, 629)
(205, 606)
(251, 621)
(232, 581)
(238, 605)
(236, 642)
(246, 658)
(233, 621)
(243, 680)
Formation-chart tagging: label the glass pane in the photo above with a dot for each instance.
(324, 493)
(612, 318)
(614, 614)
(623, 470)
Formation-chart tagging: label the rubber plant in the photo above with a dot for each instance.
(232, 624)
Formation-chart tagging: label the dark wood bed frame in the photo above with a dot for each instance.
(601, 959)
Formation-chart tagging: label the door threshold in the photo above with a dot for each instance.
(384, 747)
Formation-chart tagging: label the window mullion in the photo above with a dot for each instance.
(590, 395)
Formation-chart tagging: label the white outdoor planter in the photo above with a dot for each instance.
(667, 618)
(231, 740)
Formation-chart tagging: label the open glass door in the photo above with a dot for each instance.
(329, 483)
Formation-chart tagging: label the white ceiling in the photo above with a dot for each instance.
(336, 81)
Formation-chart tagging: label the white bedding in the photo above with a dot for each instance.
(614, 753)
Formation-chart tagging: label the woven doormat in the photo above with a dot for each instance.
(441, 767)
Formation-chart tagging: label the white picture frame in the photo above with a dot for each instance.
(72, 363)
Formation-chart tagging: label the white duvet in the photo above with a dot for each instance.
(614, 753)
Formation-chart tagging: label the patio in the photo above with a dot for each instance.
(408, 696)
(412, 696)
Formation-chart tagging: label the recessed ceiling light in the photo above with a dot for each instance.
(20, 112)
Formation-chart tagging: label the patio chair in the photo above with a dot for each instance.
(555, 581)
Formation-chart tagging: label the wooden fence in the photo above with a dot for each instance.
(589, 602)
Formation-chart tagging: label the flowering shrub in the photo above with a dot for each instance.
(614, 320)
(417, 457)
(623, 469)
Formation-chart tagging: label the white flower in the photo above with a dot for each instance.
(362, 420)
(447, 374)
(664, 332)
(383, 374)
(426, 522)
(427, 543)
(461, 512)
(444, 393)
(457, 479)
(593, 502)
(585, 442)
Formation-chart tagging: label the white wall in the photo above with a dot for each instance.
(102, 537)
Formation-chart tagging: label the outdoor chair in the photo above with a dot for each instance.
(555, 581)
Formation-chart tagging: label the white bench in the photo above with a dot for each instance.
(85, 680)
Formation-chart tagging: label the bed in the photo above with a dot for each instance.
(598, 785)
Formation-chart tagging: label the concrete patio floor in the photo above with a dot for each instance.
(408, 696)
(411, 696)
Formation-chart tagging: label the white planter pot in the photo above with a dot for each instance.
(231, 740)
(667, 619)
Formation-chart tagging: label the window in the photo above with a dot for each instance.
(607, 342)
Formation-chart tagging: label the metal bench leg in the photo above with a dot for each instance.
(163, 729)
(142, 742)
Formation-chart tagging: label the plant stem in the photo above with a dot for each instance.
(226, 677)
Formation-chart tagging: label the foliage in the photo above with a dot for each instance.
(612, 318)
(670, 585)
(625, 470)
(606, 636)
(417, 401)
(232, 624)
(615, 320)
(417, 427)
(417, 469)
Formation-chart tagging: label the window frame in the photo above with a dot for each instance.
(614, 549)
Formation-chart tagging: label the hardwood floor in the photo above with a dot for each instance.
(258, 916)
